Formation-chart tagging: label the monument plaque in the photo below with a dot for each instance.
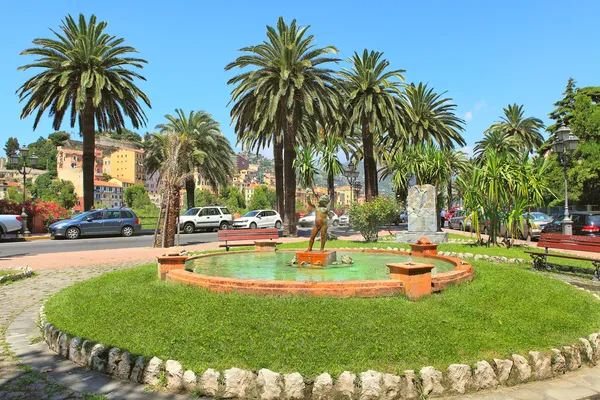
(422, 216)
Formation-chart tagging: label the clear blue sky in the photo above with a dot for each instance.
(484, 55)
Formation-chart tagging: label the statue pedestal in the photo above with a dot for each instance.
(316, 257)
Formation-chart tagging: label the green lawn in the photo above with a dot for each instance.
(4, 272)
(506, 309)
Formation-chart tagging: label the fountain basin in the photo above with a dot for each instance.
(259, 273)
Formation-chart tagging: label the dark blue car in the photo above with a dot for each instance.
(108, 221)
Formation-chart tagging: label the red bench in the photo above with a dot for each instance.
(261, 237)
(589, 244)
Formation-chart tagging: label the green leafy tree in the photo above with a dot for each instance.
(136, 196)
(59, 138)
(85, 74)
(585, 119)
(13, 195)
(11, 146)
(369, 216)
(67, 197)
(371, 93)
(204, 198)
(287, 80)
(46, 152)
(232, 198)
(564, 107)
(262, 198)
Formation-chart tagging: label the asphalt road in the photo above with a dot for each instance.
(102, 243)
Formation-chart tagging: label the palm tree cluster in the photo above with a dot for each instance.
(289, 97)
(503, 180)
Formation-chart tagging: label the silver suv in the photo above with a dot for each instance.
(210, 217)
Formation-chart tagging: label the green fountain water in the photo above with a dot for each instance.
(274, 266)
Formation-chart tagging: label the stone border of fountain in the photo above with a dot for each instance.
(172, 268)
(20, 273)
(369, 385)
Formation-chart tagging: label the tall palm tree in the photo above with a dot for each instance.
(430, 118)
(85, 72)
(524, 130)
(285, 84)
(216, 165)
(306, 166)
(371, 92)
(168, 155)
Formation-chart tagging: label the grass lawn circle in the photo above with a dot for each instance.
(505, 310)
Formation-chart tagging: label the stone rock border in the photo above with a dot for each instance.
(20, 273)
(264, 384)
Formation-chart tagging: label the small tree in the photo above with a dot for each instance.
(136, 196)
(204, 198)
(369, 216)
(11, 146)
(259, 199)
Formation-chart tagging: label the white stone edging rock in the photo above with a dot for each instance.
(369, 385)
(20, 273)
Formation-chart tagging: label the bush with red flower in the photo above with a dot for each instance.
(49, 211)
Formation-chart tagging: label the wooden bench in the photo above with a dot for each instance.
(568, 242)
(262, 238)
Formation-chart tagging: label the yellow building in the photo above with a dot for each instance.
(344, 196)
(127, 164)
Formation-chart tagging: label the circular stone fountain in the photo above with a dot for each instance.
(371, 273)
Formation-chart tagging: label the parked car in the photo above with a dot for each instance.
(108, 221)
(401, 218)
(457, 220)
(258, 219)
(345, 219)
(532, 226)
(309, 220)
(10, 223)
(585, 223)
(210, 217)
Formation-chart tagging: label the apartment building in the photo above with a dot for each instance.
(107, 194)
(127, 164)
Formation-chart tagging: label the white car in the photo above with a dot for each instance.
(344, 220)
(208, 218)
(309, 220)
(10, 223)
(258, 219)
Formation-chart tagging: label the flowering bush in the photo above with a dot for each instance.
(50, 211)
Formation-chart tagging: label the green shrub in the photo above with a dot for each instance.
(369, 216)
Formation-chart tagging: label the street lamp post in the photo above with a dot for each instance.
(23, 161)
(351, 174)
(564, 143)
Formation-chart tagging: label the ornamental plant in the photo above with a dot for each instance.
(369, 216)
(50, 211)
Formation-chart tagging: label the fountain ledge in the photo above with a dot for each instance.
(410, 284)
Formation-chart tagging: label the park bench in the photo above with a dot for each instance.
(568, 242)
(262, 238)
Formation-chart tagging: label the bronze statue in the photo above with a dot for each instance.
(322, 213)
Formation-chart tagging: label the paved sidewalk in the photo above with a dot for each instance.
(127, 255)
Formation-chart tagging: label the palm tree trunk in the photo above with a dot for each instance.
(170, 212)
(449, 201)
(190, 188)
(278, 159)
(369, 163)
(289, 154)
(88, 126)
(331, 189)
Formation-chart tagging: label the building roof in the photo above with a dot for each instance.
(108, 184)
(123, 180)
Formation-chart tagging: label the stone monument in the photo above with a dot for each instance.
(422, 216)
